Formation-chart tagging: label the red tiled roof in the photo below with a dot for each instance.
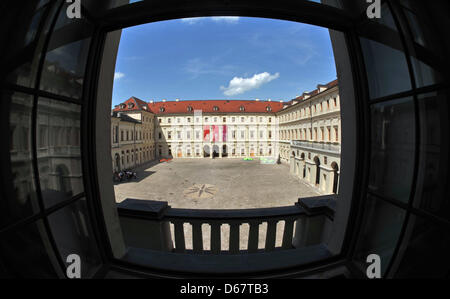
(332, 83)
(224, 106)
(316, 91)
(137, 105)
(207, 106)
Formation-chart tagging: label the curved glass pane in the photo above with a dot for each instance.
(58, 150)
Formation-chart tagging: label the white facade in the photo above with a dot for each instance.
(237, 135)
(306, 133)
(310, 131)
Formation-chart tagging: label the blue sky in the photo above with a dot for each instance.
(222, 58)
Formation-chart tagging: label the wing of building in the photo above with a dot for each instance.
(304, 132)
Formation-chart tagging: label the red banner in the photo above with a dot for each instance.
(224, 133)
(206, 132)
(215, 130)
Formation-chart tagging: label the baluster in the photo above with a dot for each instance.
(179, 236)
(288, 233)
(253, 236)
(215, 237)
(234, 237)
(197, 237)
(271, 234)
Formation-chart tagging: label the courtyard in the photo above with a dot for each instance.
(215, 184)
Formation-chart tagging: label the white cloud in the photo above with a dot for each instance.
(191, 21)
(118, 75)
(229, 20)
(240, 85)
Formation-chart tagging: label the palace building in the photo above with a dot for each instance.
(304, 132)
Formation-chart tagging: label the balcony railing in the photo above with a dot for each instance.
(147, 224)
(330, 147)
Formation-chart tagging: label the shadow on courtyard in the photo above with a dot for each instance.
(141, 175)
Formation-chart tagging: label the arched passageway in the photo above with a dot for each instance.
(317, 171)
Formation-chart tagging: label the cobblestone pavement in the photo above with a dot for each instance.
(217, 184)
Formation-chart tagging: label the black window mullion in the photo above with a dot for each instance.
(34, 139)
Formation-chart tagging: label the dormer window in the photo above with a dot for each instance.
(215, 108)
(122, 106)
(242, 108)
(268, 108)
(189, 108)
(130, 105)
(161, 109)
(144, 107)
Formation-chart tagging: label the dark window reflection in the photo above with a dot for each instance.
(71, 230)
(27, 250)
(66, 57)
(425, 74)
(392, 149)
(21, 201)
(380, 232)
(58, 150)
(433, 170)
(25, 43)
(386, 17)
(427, 254)
(425, 58)
(386, 67)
